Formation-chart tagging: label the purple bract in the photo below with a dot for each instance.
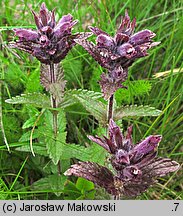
(118, 53)
(136, 167)
(50, 42)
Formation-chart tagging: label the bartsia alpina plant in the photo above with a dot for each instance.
(118, 53)
(135, 167)
(50, 42)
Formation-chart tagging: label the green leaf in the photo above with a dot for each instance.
(90, 102)
(74, 151)
(97, 154)
(26, 136)
(33, 81)
(30, 122)
(87, 189)
(70, 191)
(84, 185)
(41, 184)
(134, 110)
(54, 142)
(96, 73)
(85, 92)
(94, 153)
(53, 183)
(90, 195)
(36, 99)
(57, 183)
(15, 75)
(70, 97)
(38, 149)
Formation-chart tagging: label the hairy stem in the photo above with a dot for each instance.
(109, 112)
(54, 104)
(110, 108)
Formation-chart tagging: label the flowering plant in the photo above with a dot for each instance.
(118, 53)
(50, 42)
(135, 167)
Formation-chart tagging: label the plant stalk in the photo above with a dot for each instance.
(110, 108)
(54, 104)
(109, 112)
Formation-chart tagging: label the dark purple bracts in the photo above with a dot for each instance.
(136, 167)
(118, 53)
(50, 42)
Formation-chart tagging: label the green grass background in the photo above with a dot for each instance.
(21, 75)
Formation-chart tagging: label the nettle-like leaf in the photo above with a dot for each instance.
(26, 136)
(92, 94)
(93, 153)
(33, 82)
(57, 183)
(55, 87)
(54, 140)
(70, 97)
(53, 183)
(38, 148)
(90, 102)
(135, 111)
(36, 99)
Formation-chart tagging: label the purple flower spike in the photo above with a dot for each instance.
(136, 167)
(50, 42)
(118, 53)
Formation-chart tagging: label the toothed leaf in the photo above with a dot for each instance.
(90, 102)
(70, 96)
(36, 99)
(54, 141)
(135, 111)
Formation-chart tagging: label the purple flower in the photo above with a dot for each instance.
(123, 48)
(136, 167)
(118, 53)
(121, 148)
(50, 42)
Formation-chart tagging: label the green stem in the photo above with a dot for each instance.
(54, 104)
